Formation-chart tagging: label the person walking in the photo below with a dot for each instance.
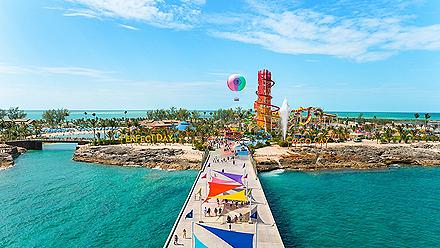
(184, 233)
(215, 211)
(176, 240)
(228, 219)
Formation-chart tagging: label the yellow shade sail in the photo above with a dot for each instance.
(238, 196)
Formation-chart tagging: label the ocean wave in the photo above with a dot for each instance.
(276, 172)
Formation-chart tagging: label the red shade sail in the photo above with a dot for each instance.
(216, 188)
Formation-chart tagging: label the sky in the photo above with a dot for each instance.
(341, 55)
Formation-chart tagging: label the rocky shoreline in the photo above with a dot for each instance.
(8, 154)
(366, 155)
(164, 157)
(344, 156)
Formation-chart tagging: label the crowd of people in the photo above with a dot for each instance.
(229, 211)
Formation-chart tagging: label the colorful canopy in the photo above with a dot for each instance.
(198, 243)
(221, 181)
(251, 197)
(217, 189)
(234, 239)
(238, 196)
(254, 215)
(235, 177)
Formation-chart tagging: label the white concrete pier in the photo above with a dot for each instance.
(264, 229)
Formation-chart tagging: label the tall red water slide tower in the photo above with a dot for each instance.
(265, 111)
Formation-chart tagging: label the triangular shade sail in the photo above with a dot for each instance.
(234, 239)
(216, 188)
(252, 198)
(235, 177)
(198, 243)
(239, 196)
(221, 181)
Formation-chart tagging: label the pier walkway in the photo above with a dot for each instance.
(213, 231)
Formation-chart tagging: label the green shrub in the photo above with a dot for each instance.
(283, 143)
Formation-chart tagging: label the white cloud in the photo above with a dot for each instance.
(101, 76)
(182, 15)
(219, 74)
(83, 13)
(71, 71)
(361, 30)
(12, 69)
(75, 12)
(360, 37)
(76, 71)
(128, 27)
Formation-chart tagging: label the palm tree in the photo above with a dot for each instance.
(94, 125)
(416, 115)
(103, 123)
(388, 135)
(377, 136)
(239, 114)
(427, 116)
(403, 134)
(36, 127)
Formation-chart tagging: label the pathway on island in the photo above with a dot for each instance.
(213, 231)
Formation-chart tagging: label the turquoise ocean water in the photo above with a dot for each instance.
(388, 208)
(76, 114)
(48, 200)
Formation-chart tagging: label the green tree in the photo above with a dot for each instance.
(16, 113)
(360, 119)
(388, 134)
(55, 117)
(94, 121)
(3, 114)
(427, 116)
(36, 128)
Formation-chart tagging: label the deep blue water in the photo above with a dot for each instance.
(389, 208)
(76, 114)
(48, 200)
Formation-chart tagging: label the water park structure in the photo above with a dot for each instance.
(267, 114)
(265, 111)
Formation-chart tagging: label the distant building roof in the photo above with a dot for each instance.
(19, 121)
(159, 124)
(183, 126)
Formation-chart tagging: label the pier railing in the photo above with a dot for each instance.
(254, 163)
(252, 159)
(203, 165)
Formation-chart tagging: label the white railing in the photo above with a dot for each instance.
(204, 161)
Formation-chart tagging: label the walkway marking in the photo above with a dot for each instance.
(265, 231)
